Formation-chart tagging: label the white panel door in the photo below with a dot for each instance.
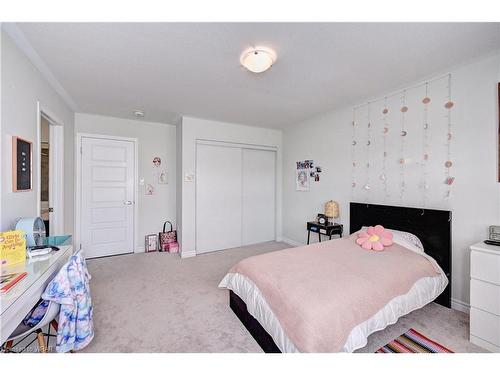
(259, 196)
(107, 201)
(218, 197)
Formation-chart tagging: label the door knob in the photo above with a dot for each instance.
(127, 203)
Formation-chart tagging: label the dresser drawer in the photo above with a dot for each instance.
(485, 267)
(485, 326)
(485, 296)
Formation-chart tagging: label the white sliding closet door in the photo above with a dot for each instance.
(218, 197)
(259, 195)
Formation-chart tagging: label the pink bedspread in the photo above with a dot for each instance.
(320, 292)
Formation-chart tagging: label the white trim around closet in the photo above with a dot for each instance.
(235, 144)
(247, 146)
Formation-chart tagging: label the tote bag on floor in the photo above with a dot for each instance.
(167, 237)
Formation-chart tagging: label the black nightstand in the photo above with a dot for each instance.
(326, 229)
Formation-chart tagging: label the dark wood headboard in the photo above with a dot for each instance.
(432, 227)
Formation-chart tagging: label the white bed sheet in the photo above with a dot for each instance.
(424, 291)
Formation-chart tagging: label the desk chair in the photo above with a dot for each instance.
(23, 331)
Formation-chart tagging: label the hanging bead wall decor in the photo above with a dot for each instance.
(425, 146)
(410, 156)
(449, 179)
(353, 153)
(383, 176)
(367, 186)
(402, 160)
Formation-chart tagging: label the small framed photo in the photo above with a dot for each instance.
(151, 243)
(162, 178)
(149, 189)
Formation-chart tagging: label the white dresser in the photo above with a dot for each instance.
(485, 296)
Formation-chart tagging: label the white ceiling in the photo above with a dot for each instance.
(192, 69)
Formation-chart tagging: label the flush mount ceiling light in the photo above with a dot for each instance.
(138, 114)
(258, 59)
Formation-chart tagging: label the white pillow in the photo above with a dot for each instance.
(405, 237)
(408, 237)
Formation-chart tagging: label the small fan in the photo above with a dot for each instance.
(34, 227)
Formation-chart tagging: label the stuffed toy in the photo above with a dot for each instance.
(374, 238)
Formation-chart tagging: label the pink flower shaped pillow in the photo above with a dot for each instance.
(375, 238)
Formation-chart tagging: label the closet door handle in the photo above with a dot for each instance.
(127, 203)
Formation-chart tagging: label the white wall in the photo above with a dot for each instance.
(154, 139)
(193, 129)
(475, 200)
(22, 86)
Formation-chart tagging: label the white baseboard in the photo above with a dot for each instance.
(140, 249)
(460, 306)
(291, 242)
(484, 344)
(188, 254)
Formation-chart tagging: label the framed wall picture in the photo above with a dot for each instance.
(21, 164)
(303, 174)
(162, 178)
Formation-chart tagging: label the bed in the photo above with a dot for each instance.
(282, 320)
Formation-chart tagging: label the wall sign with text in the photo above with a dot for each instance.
(21, 164)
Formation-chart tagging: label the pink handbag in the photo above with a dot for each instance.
(167, 237)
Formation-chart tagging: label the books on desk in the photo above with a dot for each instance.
(8, 281)
(12, 247)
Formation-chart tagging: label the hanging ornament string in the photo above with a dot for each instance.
(402, 160)
(353, 153)
(448, 163)
(359, 165)
(368, 152)
(383, 176)
(425, 146)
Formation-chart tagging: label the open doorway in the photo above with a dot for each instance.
(50, 164)
(45, 207)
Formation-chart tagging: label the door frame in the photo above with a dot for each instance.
(211, 142)
(56, 167)
(78, 179)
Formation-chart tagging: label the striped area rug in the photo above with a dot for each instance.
(413, 342)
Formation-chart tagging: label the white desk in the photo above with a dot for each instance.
(17, 303)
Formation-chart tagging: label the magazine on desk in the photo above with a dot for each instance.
(7, 282)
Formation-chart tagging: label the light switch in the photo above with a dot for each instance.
(141, 182)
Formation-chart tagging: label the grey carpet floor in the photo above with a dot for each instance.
(157, 302)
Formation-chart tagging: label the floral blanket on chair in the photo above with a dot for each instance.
(70, 288)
